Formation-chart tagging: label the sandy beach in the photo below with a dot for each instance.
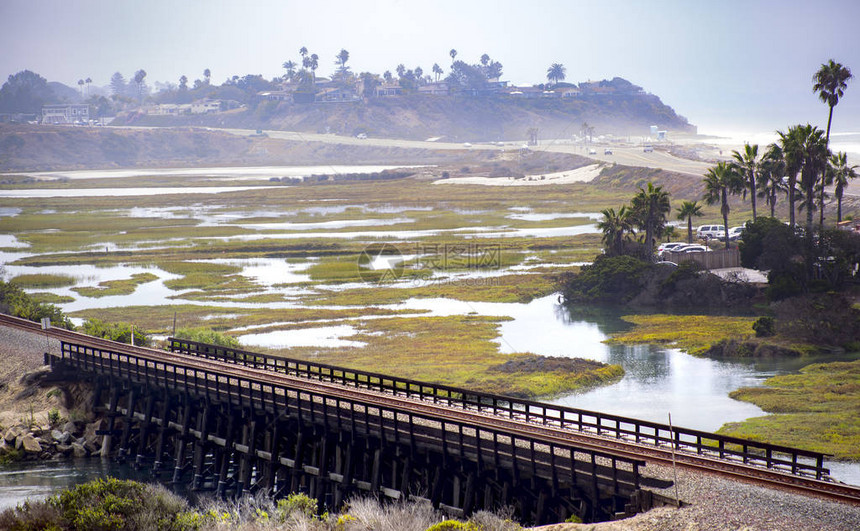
(580, 175)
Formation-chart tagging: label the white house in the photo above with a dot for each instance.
(69, 113)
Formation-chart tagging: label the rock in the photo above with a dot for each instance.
(62, 437)
(12, 434)
(4, 448)
(64, 449)
(91, 429)
(71, 427)
(78, 450)
(30, 444)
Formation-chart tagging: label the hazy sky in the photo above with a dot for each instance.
(725, 65)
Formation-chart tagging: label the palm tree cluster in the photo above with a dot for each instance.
(646, 212)
(799, 165)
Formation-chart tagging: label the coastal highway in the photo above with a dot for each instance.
(626, 155)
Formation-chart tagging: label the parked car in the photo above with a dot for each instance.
(707, 232)
(668, 246)
(648, 149)
(607, 151)
(592, 152)
(736, 233)
(692, 248)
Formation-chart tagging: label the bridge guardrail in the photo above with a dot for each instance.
(621, 474)
(771, 456)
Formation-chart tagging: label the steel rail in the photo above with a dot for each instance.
(549, 434)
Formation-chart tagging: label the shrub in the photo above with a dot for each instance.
(205, 335)
(764, 327)
(612, 279)
(120, 332)
(296, 504)
(14, 301)
(107, 504)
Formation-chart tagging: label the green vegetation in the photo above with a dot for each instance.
(42, 281)
(14, 301)
(45, 297)
(116, 287)
(121, 332)
(104, 504)
(205, 335)
(816, 409)
(506, 288)
(113, 505)
(609, 279)
(458, 351)
(693, 333)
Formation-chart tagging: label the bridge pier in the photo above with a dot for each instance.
(237, 436)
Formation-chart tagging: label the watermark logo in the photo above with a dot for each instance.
(382, 262)
(426, 262)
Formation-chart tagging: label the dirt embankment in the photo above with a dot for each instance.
(455, 118)
(45, 148)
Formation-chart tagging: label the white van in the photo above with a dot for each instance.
(708, 232)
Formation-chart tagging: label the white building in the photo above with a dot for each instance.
(69, 113)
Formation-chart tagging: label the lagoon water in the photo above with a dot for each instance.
(657, 380)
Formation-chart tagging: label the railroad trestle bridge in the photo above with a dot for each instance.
(232, 422)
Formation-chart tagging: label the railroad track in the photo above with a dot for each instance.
(478, 418)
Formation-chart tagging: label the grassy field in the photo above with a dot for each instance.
(181, 235)
(691, 333)
(816, 409)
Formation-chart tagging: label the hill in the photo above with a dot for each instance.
(45, 148)
(455, 118)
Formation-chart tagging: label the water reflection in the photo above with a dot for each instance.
(21, 481)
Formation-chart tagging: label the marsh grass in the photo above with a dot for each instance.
(506, 288)
(455, 350)
(45, 297)
(816, 409)
(43, 281)
(116, 287)
(691, 333)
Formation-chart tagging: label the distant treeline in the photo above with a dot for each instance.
(385, 175)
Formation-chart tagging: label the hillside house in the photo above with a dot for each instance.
(435, 89)
(389, 89)
(336, 95)
(205, 106)
(169, 109)
(276, 95)
(69, 113)
(525, 92)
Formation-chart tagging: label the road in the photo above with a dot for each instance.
(628, 156)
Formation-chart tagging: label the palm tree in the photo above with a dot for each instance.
(771, 175)
(721, 181)
(303, 51)
(485, 59)
(613, 226)
(138, 78)
(813, 153)
(290, 67)
(81, 84)
(687, 210)
(830, 83)
(790, 146)
(649, 209)
(437, 70)
(453, 54)
(748, 164)
(841, 173)
(556, 73)
(342, 58)
(207, 75)
(831, 80)
(88, 81)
